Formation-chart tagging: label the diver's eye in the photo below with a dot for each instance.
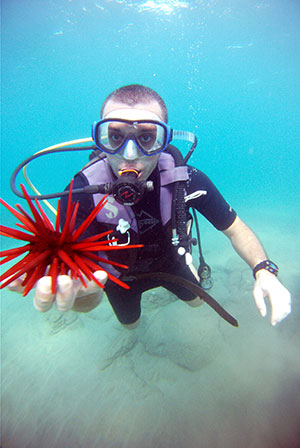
(115, 138)
(146, 140)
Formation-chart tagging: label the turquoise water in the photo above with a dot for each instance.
(228, 71)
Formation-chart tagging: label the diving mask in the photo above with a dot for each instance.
(151, 137)
(111, 135)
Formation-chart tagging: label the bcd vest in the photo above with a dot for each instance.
(100, 173)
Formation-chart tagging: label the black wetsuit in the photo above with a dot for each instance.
(158, 254)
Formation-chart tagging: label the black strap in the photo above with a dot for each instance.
(195, 289)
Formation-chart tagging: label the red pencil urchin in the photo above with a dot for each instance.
(53, 253)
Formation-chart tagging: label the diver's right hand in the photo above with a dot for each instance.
(68, 290)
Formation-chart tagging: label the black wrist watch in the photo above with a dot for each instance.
(268, 265)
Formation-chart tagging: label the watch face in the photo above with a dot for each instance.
(271, 267)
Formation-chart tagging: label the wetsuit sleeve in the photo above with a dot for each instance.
(210, 203)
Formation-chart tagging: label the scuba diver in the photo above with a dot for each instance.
(151, 191)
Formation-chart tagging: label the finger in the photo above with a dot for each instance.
(16, 285)
(101, 276)
(43, 298)
(281, 307)
(259, 300)
(92, 286)
(66, 292)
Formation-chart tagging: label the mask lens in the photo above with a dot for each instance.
(150, 137)
(112, 135)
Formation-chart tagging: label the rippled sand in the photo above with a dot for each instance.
(184, 379)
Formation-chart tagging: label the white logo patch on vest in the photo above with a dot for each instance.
(111, 211)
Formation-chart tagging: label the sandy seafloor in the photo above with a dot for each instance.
(184, 379)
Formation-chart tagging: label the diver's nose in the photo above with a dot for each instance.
(130, 151)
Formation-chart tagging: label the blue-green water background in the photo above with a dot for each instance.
(227, 69)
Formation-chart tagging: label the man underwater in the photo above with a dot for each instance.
(133, 137)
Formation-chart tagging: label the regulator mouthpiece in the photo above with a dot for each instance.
(128, 172)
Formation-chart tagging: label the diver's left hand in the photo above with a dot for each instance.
(267, 285)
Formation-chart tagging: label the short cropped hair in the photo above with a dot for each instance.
(134, 94)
